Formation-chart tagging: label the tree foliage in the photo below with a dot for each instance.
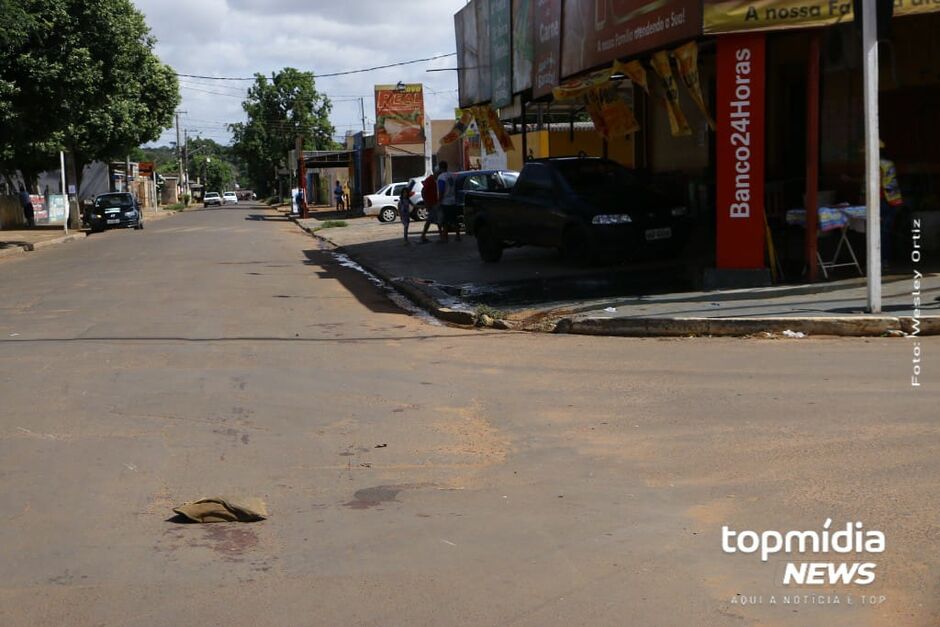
(279, 110)
(78, 75)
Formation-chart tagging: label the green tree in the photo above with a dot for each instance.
(279, 110)
(84, 79)
(218, 174)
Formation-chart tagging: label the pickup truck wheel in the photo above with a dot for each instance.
(491, 249)
(575, 245)
(387, 214)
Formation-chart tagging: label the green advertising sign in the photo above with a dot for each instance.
(501, 51)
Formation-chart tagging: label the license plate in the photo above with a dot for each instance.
(654, 234)
(114, 221)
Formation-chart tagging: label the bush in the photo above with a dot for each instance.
(273, 200)
(186, 199)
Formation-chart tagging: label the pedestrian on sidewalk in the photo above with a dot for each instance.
(347, 198)
(447, 193)
(338, 195)
(27, 204)
(404, 210)
(429, 196)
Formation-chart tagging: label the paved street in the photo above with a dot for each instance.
(423, 474)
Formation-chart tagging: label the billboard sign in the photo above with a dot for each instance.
(468, 56)
(599, 32)
(547, 70)
(523, 51)
(399, 114)
(501, 52)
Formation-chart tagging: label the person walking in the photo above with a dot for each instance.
(347, 198)
(429, 196)
(447, 194)
(404, 210)
(338, 196)
(27, 204)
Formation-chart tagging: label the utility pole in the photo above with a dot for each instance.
(301, 176)
(362, 112)
(872, 155)
(179, 155)
(189, 192)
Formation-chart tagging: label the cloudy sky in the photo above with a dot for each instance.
(236, 38)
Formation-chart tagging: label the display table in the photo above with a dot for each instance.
(841, 218)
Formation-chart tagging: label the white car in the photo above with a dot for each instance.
(230, 198)
(384, 203)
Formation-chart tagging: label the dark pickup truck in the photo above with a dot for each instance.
(586, 207)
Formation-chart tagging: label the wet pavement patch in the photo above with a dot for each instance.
(367, 498)
(371, 497)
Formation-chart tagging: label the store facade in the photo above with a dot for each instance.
(741, 105)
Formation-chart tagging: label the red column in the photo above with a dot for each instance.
(739, 146)
(812, 154)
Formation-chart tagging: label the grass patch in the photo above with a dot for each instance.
(175, 207)
(330, 224)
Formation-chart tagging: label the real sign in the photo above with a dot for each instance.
(740, 151)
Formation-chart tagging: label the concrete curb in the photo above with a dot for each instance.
(438, 303)
(846, 326)
(28, 247)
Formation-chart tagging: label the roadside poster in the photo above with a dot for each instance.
(547, 70)
(501, 52)
(57, 205)
(739, 145)
(399, 114)
(600, 32)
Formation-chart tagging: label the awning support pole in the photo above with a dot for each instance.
(811, 203)
(872, 156)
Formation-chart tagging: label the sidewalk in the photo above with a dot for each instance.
(15, 242)
(534, 289)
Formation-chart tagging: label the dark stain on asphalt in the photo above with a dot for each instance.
(245, 438)
(229, 541)
(229, 431)
(371, 497)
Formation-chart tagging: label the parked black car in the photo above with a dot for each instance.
(588, 208)
(117, 210)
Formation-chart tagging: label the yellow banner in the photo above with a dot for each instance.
(677, 121)
(729, 16)
(687, 60)
(915, 7)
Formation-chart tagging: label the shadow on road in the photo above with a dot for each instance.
(356, 283)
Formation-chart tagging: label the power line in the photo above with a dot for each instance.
(327, 75)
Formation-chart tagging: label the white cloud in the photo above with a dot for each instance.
(241, 37)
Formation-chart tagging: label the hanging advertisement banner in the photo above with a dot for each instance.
(547, 70)
(523, 47)
(678, 123)
(635, 71)
(501, 52)
(729, 16)
(687, 61)
(464, 118)
(740, 151)
(468, 56)
(399, 114)
(601, 31)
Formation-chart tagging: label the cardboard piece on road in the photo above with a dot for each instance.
(218, 509)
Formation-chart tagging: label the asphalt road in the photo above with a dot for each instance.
(419, 474)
